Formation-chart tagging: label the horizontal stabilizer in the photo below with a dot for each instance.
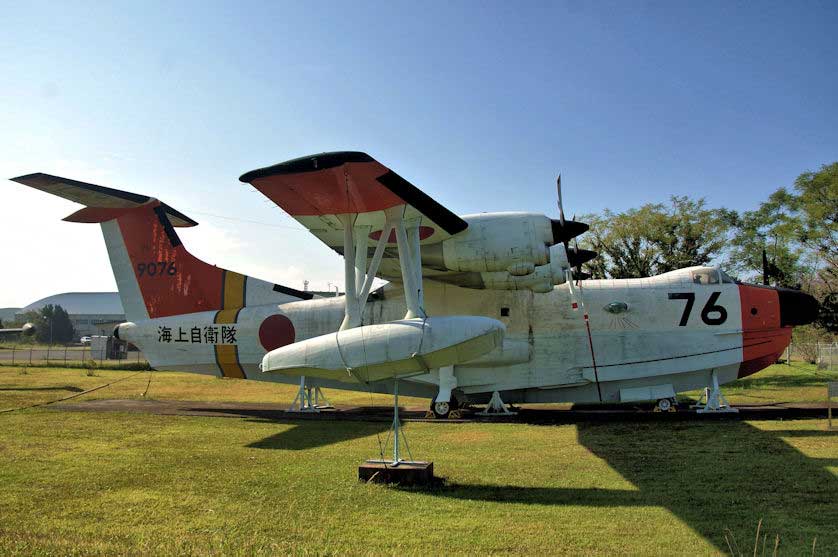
(105, 203)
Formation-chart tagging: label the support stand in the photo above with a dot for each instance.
(320, 400)
(358, 282)
(496, 407)
(305, 402)
(397, 470)
(713, 401)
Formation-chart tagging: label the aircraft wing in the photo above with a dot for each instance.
(27, 330)
(317, 188)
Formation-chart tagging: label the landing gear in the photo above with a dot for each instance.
(445, 402)
(665, 405)
(441, 409)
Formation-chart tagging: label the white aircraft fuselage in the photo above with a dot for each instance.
(491, 306)
(643, 342)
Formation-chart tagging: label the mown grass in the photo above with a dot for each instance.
(798, 382)
(111, 483)
(778, 383)
(21, 386)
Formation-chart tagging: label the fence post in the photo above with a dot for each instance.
(30, 355)
(65, 355)
(13, 354)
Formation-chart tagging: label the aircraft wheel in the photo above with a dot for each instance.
(441, 410)
(665, 405)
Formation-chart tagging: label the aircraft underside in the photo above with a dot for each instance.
(640, 349)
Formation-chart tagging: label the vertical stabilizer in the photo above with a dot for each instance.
(155, 274)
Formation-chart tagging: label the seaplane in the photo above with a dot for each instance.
(488, 308)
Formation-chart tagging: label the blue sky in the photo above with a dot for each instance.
(479, 104)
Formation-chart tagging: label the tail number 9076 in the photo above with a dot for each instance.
(156, 268)
(711, 314)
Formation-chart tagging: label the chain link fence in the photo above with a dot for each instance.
(823, 354)
(67, 355)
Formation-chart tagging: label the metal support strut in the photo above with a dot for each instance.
(398, 434)
(713, 400)
(496, 407)
(309, 399)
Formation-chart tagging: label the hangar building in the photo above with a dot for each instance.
(92, 313)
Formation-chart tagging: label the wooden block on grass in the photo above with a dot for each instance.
(406, 473)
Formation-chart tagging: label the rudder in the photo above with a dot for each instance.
(156, 276)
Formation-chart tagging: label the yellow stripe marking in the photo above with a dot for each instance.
(233, 290)
(228, 360)
(226, 315)
(227, 355)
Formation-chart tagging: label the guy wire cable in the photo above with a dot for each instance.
(147, 385)
(74, 395)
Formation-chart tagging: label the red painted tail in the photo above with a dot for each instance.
(155, 274)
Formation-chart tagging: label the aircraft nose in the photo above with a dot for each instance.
(796, 307)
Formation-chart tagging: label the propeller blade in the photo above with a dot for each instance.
(764, 267)
(577, 257)
(559, 192)
(564, 232)
(580, 275)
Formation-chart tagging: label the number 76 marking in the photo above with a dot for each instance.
(709, 307)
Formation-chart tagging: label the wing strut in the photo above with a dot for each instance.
(578, 303)
(358, 278)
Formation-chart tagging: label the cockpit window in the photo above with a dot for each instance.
(726, 278)
(706, 276)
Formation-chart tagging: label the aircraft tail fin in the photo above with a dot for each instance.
(155, 274)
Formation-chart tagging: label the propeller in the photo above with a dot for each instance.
(559, 197)
(565, 230)
(580, 256)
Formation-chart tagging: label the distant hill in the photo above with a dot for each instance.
(7, 315)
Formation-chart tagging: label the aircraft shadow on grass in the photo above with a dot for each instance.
(318, 433)
(65, 388)
(712, 476)
(307, 433)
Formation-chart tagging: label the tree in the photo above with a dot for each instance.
(799, 231)
(816, 206)
(656, 238)
(772, 227)
(53, 325)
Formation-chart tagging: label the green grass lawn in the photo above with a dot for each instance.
(112, 483)
(25, 386)
(798, 382)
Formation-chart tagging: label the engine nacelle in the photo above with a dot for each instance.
(516, 243)
(541, 280)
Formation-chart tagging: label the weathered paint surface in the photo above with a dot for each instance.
(644, 345)
(610, 340)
